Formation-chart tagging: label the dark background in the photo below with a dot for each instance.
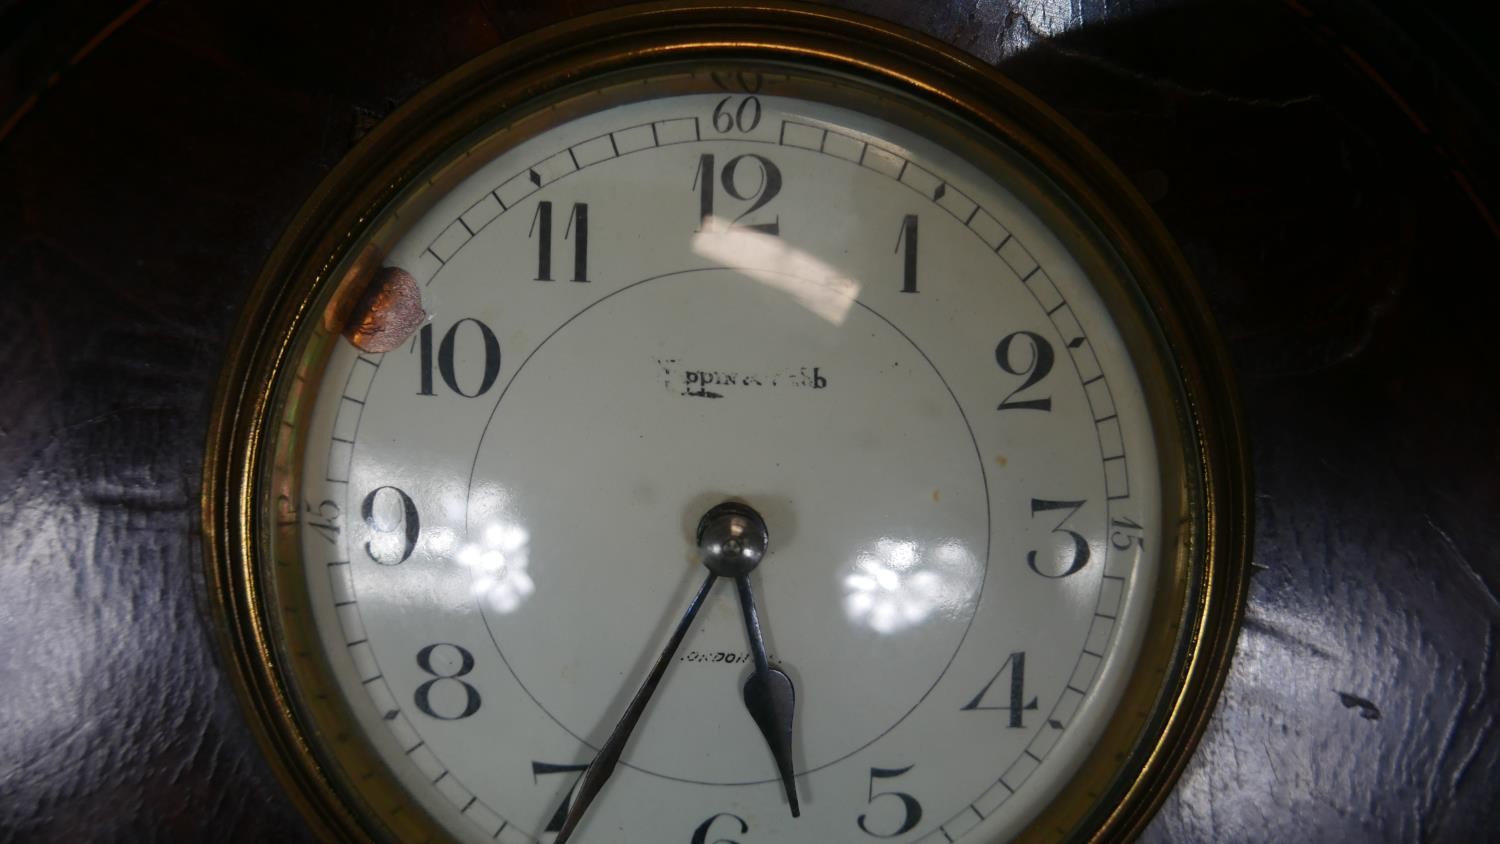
(1328, 168)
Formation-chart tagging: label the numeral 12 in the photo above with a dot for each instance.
(766, 190)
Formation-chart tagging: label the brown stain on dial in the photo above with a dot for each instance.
(388, 312)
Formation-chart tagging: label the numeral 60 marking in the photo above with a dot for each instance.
(742, 118)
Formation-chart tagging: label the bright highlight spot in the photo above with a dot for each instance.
(500, 563)
(768, 259)
(896, 585)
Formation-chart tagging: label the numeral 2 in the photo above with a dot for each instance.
(1036, 368)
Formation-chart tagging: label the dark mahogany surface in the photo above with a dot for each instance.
(1324, 167)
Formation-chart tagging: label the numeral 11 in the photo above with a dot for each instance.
(578, 227)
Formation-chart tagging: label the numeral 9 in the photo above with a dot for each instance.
(395, 533)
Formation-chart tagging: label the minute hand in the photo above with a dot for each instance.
(609, 755)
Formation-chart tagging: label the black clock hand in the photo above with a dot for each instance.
(603, 765)
(770, 697)
(734, 539)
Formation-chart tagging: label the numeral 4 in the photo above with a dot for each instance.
(1016, 665)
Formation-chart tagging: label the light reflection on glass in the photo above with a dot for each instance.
(894, 585)
(768, 259)
(441, 541)
(499, 562)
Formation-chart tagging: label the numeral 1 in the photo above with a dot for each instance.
(577, 228)
(908, 237)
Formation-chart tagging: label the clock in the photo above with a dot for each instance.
(727, 423)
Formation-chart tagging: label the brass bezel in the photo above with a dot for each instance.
(1198, 607)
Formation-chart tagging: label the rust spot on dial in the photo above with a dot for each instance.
(389, 312)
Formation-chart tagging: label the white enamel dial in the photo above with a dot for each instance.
(651, 308)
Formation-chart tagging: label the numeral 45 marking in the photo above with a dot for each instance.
(1016, 664)
(324, 519)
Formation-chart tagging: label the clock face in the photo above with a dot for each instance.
(739, 449)
(655, 307)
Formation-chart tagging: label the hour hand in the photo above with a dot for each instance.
(771, 699)
(734, 539)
